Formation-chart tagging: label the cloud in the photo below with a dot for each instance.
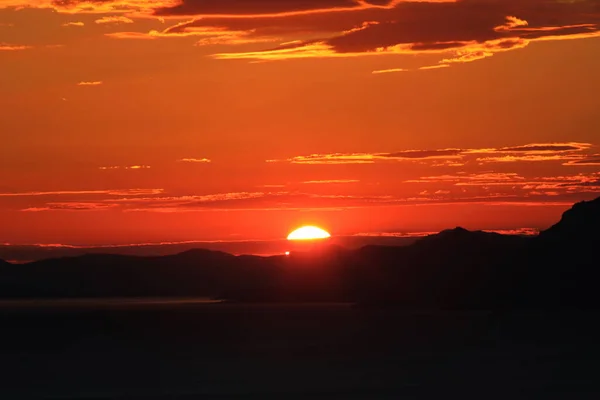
(90, 83)
(537, 152)
(222, 201)
(133, 167)
(93, 6)
(546, 147)
(159, 203)
(115, 19)
(593, 160)
(514, 184)
(428, 67)
(460, 31)
(490, 178)
(77, 24)
(13, 47)
(331, 181)
(270, 8)
(516, 232)
(130, 35)
(395, 234)
(388, 71)
(207, 35)
(110, 192)
(571, 151)
(371, 158)
(463, 30)
(195, 160)
(271, 201)
(529, 158)
(71, 206)
(281, 201)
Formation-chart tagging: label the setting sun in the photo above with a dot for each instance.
(308, 233)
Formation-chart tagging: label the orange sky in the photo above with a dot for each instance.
(133, 121)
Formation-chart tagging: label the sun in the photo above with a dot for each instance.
(308, 233)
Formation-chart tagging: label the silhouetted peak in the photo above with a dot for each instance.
(582, 221)
(459, 239)
(458, 232)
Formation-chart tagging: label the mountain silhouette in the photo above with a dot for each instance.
(560, 267)
(581, 223)
(455, 268)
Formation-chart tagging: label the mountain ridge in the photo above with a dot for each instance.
(455, 268)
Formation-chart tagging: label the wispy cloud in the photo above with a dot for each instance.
(114, 19)
(538, 152)
(13, 47)
(90, 83)
(131, 35)
(515, 184)
(110, 192)
(394, 234)
(286, 201)
(133, 167)
(93, 6)
(405, 27)
(391, 70)
(491, 178)
(195, 160)
(350, 28)
(283, 201)
(71, 206)
(593, 160)
(76, 24)
(545, 147)
(274, 186)
(439, 66)
(530, 158)
(514, 232)
(370, 158)
(331, 181)
(208, 36)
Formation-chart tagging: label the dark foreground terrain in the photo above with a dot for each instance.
(537, 341)
(192, 350)
(454, 269)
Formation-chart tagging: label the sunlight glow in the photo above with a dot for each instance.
(308, 233)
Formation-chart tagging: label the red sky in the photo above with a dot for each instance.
(138, 121)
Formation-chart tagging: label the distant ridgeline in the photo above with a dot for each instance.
(453, 269)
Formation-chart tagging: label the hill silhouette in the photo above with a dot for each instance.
(560, 267)
(455, 268)
(579, 224)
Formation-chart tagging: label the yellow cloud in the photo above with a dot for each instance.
(78, 24)
(114, 20)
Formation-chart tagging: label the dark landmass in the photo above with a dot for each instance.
(28, 253)
(267, 342)
(453, 269)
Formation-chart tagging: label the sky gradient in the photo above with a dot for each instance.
(173, 120)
